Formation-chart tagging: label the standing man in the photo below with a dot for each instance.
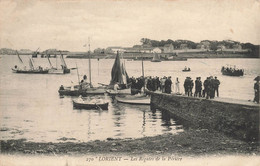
(196, 87)
(186, 84)
(168, 85)
(199, 86)
(177, 86)
(206, 88)
(163, 84)
(256, 88)
(216, 85)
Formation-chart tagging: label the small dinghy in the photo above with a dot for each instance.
(90, 104)
(119, 92)
(186, 69)
(136, 100)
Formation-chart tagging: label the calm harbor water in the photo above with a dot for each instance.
(31, 108)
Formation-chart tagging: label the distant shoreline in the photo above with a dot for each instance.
(149, 56)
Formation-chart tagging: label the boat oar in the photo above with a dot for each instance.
(102, 84)
(99, 107)
(73, 68)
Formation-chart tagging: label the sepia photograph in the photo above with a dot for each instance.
(129, 82)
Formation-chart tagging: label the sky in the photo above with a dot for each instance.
(70, 24)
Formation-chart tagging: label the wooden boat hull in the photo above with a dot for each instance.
(89, 106)
(59, 71)
(185, 70)
(236, 74)
(133, 100)
(30, 71)
(119, 92)
(86, 92)
(67, 92)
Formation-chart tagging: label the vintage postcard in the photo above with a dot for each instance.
(129, 82)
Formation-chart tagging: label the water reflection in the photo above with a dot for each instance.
(32, 109)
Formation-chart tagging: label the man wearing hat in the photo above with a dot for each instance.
(256, 88)
(168, 85)
(216, 84)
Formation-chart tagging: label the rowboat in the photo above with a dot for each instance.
(136, 100)
(119, 92)
(232, 72)
(186, 70)
(90, 105)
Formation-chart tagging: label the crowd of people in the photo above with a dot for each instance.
(165, 85)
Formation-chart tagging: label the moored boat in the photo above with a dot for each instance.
(67, 91)
(43, 71)
(32, 70)
(55, 70)
(136, 99)
(186, 69)
(119, 92)
(90, 105)
(232, 71)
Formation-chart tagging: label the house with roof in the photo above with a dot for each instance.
(156, 50)
(114, 49)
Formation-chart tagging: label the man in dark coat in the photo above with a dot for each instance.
(206, 88)
(216, 85)
(186, 84)
(256, 88)
(197, 87)
(168, 85)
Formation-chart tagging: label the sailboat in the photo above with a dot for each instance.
(119, 76)
(81, 89)
(156, 58)
(135, 99)
(55, 70)
(32, 70)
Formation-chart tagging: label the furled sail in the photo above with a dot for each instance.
(31, 63)
(48, 57)
(118, 73)
(63, 61)
(156, 58)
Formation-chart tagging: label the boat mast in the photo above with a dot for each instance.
(143, 69)
(89, 62)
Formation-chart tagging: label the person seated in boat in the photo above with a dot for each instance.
(80, 99)
(116, 87)
(61, 87)
(72, 86)
(15, 67)
(185, 68)
(85, 78)
(188, 69)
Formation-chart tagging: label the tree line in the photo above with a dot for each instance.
(212, 45)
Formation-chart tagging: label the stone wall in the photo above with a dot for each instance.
(237, 120)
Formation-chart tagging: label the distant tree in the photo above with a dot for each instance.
(145, 41)
(214, 45)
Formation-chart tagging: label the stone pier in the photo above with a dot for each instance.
(239, 119)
